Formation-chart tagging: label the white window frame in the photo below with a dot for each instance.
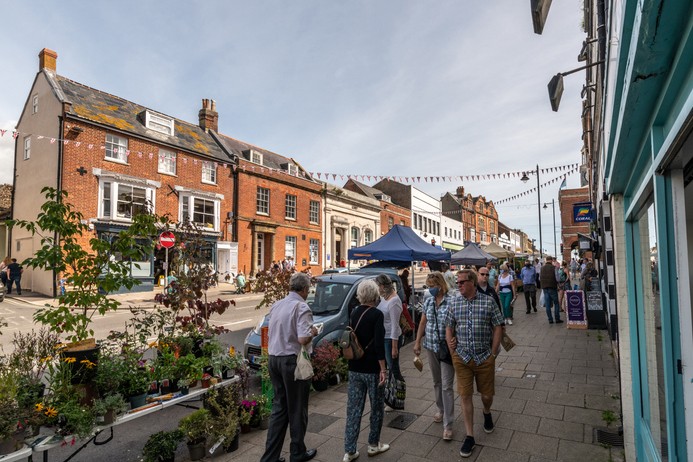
(27, 147)
(112, 198)
(292, 169)
(209, 172)
(255, 157)
(367, 236)
(159, 123)
(116, 148)
(314, 212)
(390, 223)
(188, 201)
(167, 162)
(35, 104)
(355, 236)
(290, 206)
(262, 203)
(314, 251)
(290, 243)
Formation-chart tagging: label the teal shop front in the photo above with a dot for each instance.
(645, 171)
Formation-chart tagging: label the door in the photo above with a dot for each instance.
(260, 256)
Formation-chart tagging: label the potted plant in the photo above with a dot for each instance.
(10, 437)
(196, 426)
(107, 408)
(206, 380)
(223, 405)
(324, 358)
(134, 385)
(74, 419)
(190, 368)
(161, 446)
(247, 412)
(30, 356)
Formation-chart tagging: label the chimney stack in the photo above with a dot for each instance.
(460, 191)
(47, 59)
(209, 117)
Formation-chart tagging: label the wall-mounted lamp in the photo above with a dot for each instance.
(556, 85)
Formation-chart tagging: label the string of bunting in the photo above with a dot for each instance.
(320, 176)
(534, 190)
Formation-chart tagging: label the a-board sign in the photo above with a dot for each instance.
(594, 300)
(575, 309)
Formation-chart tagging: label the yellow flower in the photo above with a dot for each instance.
(60, 346)
(51, 412)
(70, 359)
(232, 351)
(39, 407)
(46, 359)
(153, 344)
(87, 363)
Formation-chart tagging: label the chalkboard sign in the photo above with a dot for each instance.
(594, 301)
(575, 309)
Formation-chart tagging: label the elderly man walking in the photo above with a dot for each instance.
(290, 327)
(473, 330)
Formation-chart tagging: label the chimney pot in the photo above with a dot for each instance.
(47, 59)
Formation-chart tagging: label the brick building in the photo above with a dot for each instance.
(278, 214)
(116, 158)
(569, 202)
(479, 217)
(391, 214)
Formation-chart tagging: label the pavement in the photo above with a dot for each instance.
(551, 391)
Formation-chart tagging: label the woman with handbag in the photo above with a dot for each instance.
(432, 330)
(391, 307)
(367, 374)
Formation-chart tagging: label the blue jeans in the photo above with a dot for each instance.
(551, 298)
(17, 282)
(360, 384)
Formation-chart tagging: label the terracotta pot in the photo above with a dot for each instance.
(206, 383)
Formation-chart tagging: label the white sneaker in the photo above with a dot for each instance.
(375, 450)
(349, 457)
(388, 408)
(510, 322)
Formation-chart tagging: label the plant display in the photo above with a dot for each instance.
(223, 406)
(325, 358)
(196, 426)
(249, 410)
(30, 356)
(91, 271)
(115, 403)
(162, 446)
(190, 368)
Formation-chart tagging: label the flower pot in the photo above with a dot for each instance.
(246, 428)
(10, 445)
(233, 446)
(184, 390)
(153, 388)
(334, 380)
(193, 384)
(227, 374)
(206, 383)
(197, 450)
(320, 385)
(109, 417)
(138, 400)
(84, 358)
(165, 386)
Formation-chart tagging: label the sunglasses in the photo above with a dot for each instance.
(483, 274)
(459, 283)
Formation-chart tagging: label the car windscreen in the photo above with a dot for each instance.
(327, 297)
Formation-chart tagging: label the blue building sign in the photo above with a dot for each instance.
(582, 212)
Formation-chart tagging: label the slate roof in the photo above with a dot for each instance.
(112, 111)
(367, 190)
(269, 159)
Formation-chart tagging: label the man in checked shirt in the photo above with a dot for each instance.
(473, 332)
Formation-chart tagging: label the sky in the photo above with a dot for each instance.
(363, 87)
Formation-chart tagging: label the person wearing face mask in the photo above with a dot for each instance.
(435, 309)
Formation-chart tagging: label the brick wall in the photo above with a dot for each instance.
(394, 211)
(569, 229)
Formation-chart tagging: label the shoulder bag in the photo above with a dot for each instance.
(443, 350)
(351, 348)
(395, 391)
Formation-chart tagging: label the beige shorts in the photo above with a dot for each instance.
(467, 373)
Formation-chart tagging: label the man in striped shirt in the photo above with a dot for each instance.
(473, 332)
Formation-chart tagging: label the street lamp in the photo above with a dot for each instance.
(553, 206)
(524, 179)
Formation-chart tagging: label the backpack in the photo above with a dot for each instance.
(562, 276)
(351, 348)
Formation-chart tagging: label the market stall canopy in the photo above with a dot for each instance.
(498, 251)
(472, 254)
(399, 244)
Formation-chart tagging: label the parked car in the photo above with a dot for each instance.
(331, 299)
(336, 271)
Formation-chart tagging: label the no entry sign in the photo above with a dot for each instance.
(167, 239)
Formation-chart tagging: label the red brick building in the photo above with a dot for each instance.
(391, 213)
(479, 217)
(278, 214)
(569, 202)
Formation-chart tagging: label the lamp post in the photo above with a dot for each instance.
(525, 178)
(553, 206)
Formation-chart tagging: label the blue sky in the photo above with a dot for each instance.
(364, 87)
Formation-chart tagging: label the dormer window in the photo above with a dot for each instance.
(293, 170)
(255, 157)
(159, 123)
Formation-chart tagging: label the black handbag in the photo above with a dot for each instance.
(443, 350)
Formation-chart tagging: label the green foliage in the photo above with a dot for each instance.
(31, 353)
(196, 426)
(162, 445)
(93, 272)
(9, 417)
(609, 417)
(75, 419)
(223, 404)
(113, 402)
(189, 367)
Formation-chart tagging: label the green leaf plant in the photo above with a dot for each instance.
(92, 267)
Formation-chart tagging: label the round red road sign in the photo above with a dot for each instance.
(167, 239)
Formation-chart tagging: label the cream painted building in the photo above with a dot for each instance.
(351, 220)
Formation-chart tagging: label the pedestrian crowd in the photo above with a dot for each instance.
(463, 323)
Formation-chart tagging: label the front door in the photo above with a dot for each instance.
(260, 256)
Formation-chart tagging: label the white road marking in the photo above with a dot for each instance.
(236, 322)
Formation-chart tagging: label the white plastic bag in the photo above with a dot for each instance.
(541, 298)
(304, 368)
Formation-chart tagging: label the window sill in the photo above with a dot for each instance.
(262, 214)
(168, 174)
(208, 182)
(116, 161)
(289, 219)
